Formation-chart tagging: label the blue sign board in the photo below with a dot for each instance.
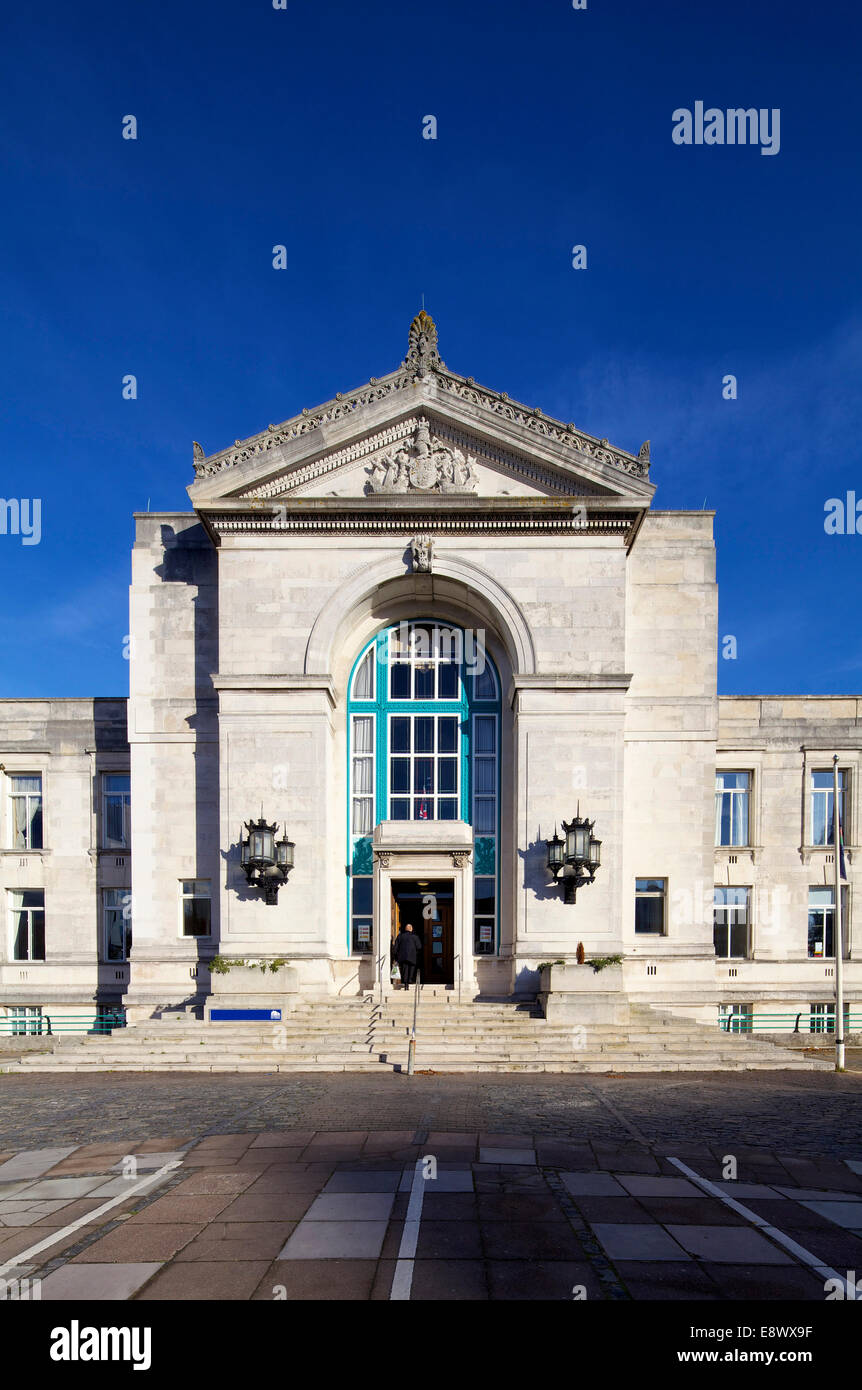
(245, 1015)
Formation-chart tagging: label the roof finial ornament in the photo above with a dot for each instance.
(643, 455)
(422, 355)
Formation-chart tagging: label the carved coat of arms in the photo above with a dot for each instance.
(423, 465)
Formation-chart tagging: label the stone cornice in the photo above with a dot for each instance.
(404, 515)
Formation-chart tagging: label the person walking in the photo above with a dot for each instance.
(405, 952)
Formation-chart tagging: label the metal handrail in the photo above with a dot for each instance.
(460, 974)
(411, 1046)
(789, 1022)
(46, 1025)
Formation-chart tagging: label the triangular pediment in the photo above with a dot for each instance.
(421, 432)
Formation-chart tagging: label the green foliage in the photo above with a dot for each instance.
(546, 964)
(599, 962)
(220, 965)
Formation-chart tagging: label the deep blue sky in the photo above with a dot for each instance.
(303, 127)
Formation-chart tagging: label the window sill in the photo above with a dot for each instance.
(22, 852)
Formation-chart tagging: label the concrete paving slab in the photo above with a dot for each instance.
(729, 1245)
(645, 1185)
(364, 1182)
(447, 1180)
(522, 1156)
(632, 1242)
(337, 1240)
(99, 1282)
(846, 1214)
(32, 1163)
(64, 1187)
(351, 1206)
(592, 1185)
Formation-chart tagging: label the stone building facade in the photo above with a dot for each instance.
(418, 628)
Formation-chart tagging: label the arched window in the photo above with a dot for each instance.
(424, 744)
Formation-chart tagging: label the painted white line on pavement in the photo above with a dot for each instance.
(402, 1283)
(779, 1237)
(85, 1220)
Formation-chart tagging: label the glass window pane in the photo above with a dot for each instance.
(424, 687)
(483, 685)
(362, 776)
(447, 735)
(400, 734)
(363, 734)
(363, 685)
(37, 934)
(399, 681)
(447, 773)
(738, 938)
(447, 681)
(400, 810)
(399, 775)
(35, 834)
(362, 896)
(649, 914)
(118, 782)
(423, 775)
(649, 885)
(485, 770)
(447, 809)
(423, 808)
(21, 936)
(362, 822)
(424, 735)
(196, 916)
(484, 815)
(485, 728)
(32, 897)
(484, 895)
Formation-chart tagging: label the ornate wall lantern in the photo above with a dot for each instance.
(577, 857)
(266, 861)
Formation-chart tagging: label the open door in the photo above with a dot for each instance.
(430, 909)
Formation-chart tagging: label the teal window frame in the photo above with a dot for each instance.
(382, 708)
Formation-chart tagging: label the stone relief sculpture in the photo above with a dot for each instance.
(423, 465)
(422, 553)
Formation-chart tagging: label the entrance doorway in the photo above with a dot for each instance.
(429, 906)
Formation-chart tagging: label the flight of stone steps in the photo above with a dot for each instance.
(364, 1035)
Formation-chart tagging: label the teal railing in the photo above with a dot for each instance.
(797, 1021)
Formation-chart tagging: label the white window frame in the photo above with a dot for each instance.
(354, 755)
(826, 792)
(188, 897)
(433, 658)
(11, 774)
(735, 794)
(436, 796)
(13, 911)
(369, 655)
(105, 841)
(728, 1012)
(726, 909)
(26, 1015)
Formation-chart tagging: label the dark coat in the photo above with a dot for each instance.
(407, 948)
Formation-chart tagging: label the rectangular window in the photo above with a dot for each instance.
(484, 915)
(362, 790)
(821, 922)
(731, 922)
(822, 804)
(362, 907)
(650, 897)
(117, 908)
(25, 791)
(821, 1018)
(425, 662)
(735, 1018)
(27, 911)
(485, 774)
(196, 907)
(423, 767)
(25, 1020)
(731, 807)
(116, 811)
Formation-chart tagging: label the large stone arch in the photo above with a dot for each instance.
(462, 588)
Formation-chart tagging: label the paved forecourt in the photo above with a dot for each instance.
(423, 1215)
